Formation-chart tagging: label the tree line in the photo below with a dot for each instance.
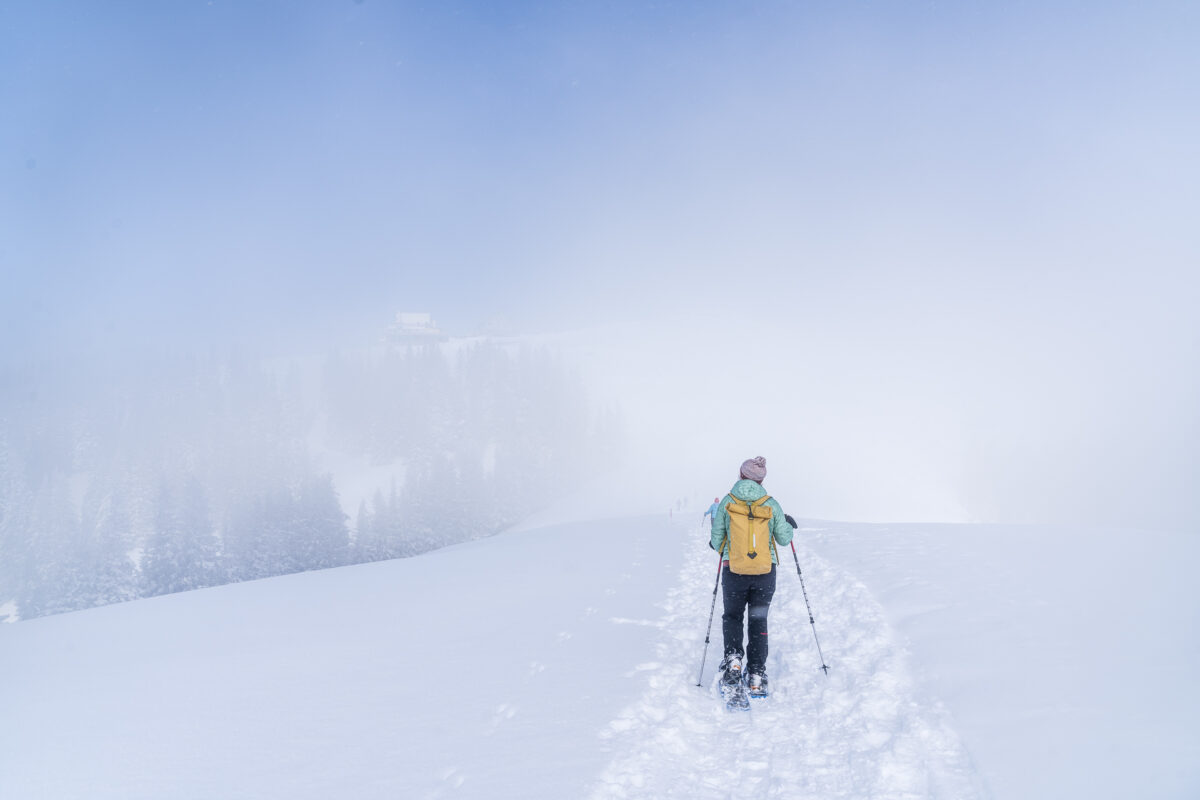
(121, 481)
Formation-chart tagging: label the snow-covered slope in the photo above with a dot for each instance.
(1068, 656)
(484, 669)
(561, 662)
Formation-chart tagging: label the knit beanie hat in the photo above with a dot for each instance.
(755, 469)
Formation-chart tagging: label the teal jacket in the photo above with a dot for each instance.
(749, 491)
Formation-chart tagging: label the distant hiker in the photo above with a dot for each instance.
(712, 510)
(747, 526)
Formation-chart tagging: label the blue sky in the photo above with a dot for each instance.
(184, 165)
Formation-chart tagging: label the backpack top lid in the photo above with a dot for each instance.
(754, 509)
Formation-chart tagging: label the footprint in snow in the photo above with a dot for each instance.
(453, 777)
(643, 668)
(503, 713)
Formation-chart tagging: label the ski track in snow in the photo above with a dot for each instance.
(861, 732)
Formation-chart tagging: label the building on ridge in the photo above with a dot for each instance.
(414, 328)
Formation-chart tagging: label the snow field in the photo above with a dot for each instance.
(1067, 654)
(561, 662)
(863, 731)
(482, 670)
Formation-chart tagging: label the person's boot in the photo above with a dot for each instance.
(731, 670)
(757, 683)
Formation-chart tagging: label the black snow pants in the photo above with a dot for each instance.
(756, 592)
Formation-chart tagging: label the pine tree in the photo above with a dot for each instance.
(200, 551)
(52, 561)
(16, 503)
(382, 525)
(366, 545)
(182, 552)
(320, 539)
(160, 563)
(105, 572)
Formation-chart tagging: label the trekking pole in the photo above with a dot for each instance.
(811, 621)
(708, 633)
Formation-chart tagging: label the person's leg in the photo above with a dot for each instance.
(758, 595)
(736, 594)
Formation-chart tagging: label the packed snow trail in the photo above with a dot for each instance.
(862, 731)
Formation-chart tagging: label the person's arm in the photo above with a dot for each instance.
(780, 528)
(720, 529)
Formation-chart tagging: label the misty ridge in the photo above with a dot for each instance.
(121, 480)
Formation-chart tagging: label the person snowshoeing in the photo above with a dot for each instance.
(712, 510)
(747, 529)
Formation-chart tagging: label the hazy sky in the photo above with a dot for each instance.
(974, 223)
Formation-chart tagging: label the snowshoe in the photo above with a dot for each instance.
(731, 670)
(756, 685)
(733, 687)
(736, 697)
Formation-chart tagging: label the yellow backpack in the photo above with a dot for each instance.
(750, 543)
